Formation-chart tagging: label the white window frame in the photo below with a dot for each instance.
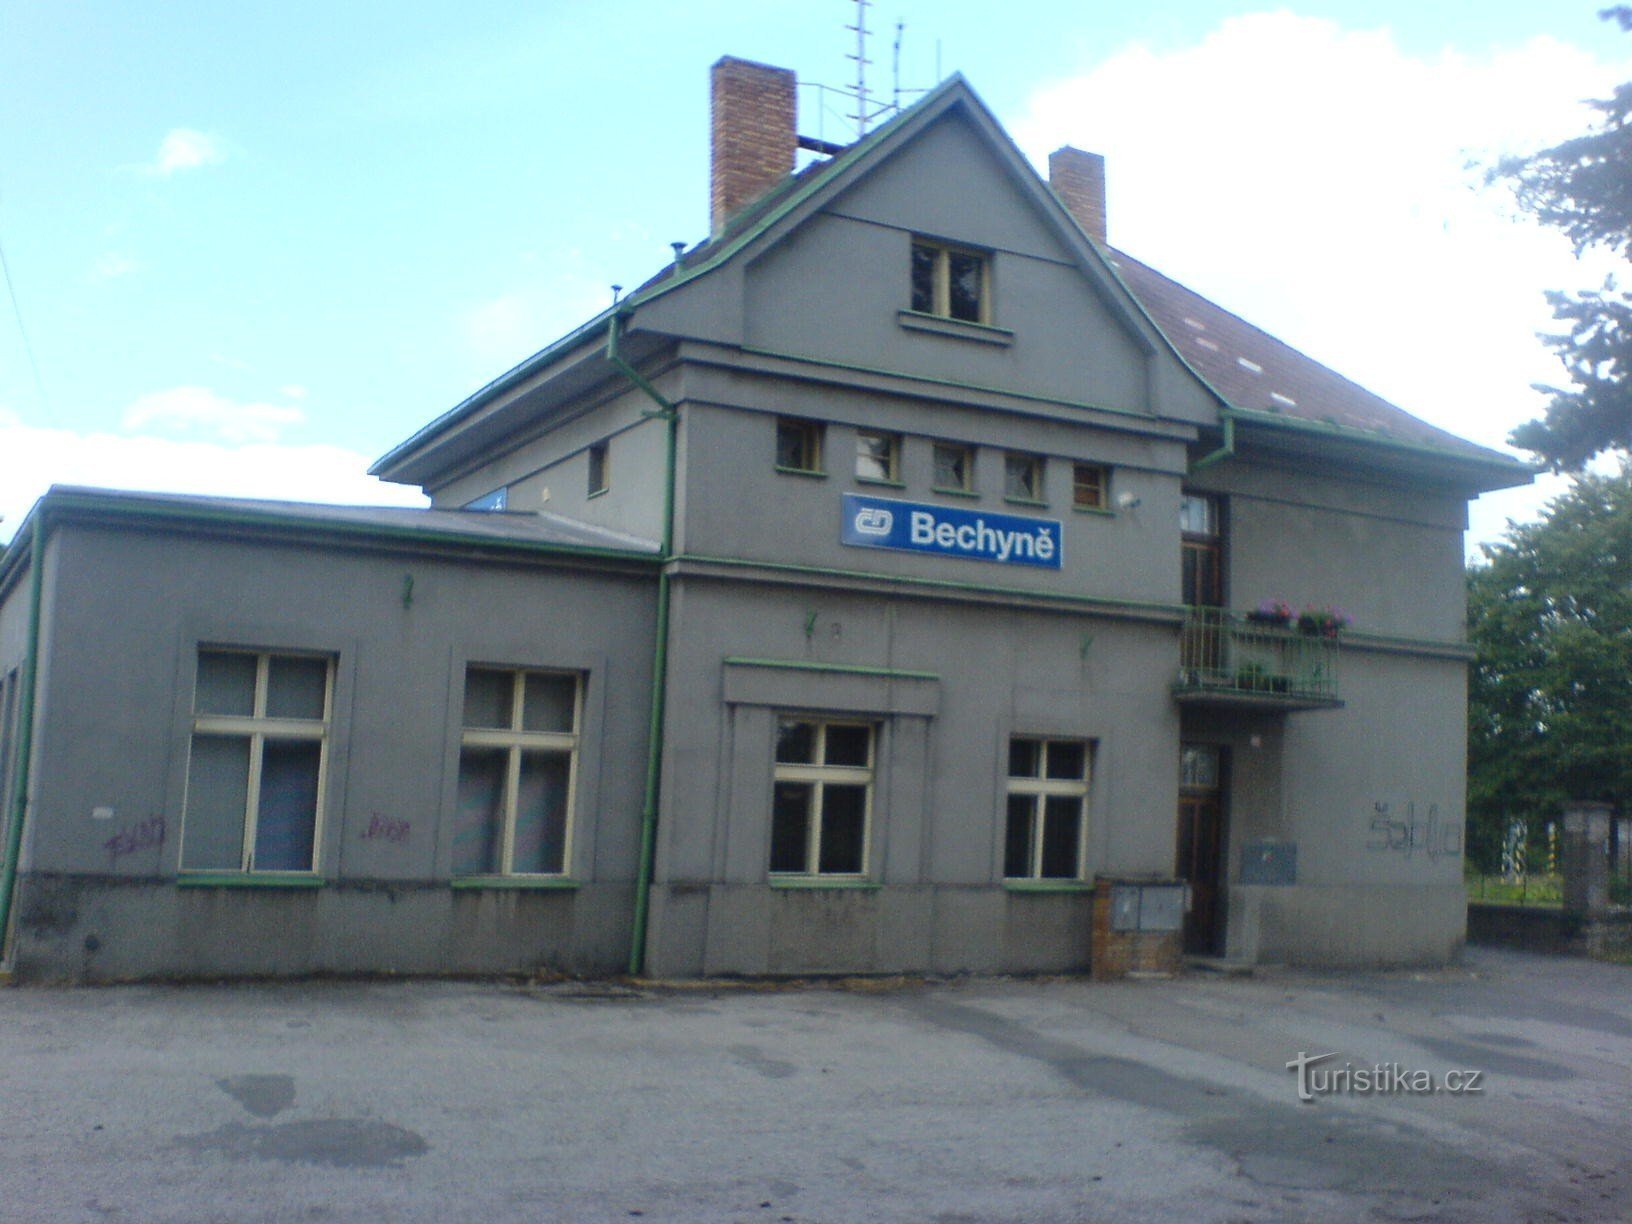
(1039, 790)
(819, 776)
(257, 727)
(515, 742)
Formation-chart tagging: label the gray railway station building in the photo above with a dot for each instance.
(848, 598)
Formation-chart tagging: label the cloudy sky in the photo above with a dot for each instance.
(253, 246)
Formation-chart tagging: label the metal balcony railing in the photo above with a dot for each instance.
(1233, 658)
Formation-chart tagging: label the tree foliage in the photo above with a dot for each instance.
(1550, 692)
(1583, 187)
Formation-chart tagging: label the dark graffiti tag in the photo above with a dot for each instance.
(143, 835)
(1404, 832)
(394, 831)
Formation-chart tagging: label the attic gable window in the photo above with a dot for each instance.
(952, 282)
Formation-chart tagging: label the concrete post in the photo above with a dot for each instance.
(1586, 859)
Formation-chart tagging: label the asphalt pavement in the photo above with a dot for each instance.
(942, 1101)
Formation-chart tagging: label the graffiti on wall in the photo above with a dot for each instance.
(132, 839)
(381, 827)
(1407, 831)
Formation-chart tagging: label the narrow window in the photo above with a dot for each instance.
(1202, 551)
(798, 445)
(951, 281)
(1090, 486)
(600, 472)
(255, 766)
(822, 797)
(1023, 477)
(878, 456)
(498, 499)
(954, 468)
(1047, 819)
(518, 760)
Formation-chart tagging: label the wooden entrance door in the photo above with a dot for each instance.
(1200, 858)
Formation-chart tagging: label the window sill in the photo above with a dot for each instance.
(1102, 511)
(969, 493)
(599, 493)
(787, 471)
(959, 329)
(1049, 886)
(543, 883)
(819, 882)
(874, 480)
(246, 879)
(1026, 501)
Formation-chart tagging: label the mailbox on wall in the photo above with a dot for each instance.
(1156, 906)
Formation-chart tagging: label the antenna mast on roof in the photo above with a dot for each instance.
(861, 116)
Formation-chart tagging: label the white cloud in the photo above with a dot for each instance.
(294, 391)
(1316, 181)
(112, 265)
(186, 149)
(199, 410)
(33, 458)
(514, 325)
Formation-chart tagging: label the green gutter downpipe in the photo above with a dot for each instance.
(660, 654)
(25, 740)
(1224, 452)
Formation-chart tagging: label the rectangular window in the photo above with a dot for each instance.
(1090, 486)
(1198, 515)
(255, 767)
(954, 467)
(1046, 837)
(1023, 477)
(518, 759)
(822, 798)
(600, 471)
(878, 456)
(950, 281)
(798, 445)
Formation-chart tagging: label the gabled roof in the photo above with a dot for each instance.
(1251, 372)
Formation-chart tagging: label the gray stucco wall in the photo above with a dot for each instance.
(114, 727)
(551, 471)
(739, 506)
(939, 792)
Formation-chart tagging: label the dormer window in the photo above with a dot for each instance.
(952, 282)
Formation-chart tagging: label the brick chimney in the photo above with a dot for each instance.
(1078, 178)
(754, 132)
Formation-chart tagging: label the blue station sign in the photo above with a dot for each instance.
(948, 531)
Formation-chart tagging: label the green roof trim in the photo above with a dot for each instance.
(1276, 420)
(848, 669)
(56, 504)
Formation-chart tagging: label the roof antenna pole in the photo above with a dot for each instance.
(862, 61)
(900, 29)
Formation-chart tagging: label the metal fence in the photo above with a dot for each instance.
(1225, 651)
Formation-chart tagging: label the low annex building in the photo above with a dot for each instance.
(848, 598)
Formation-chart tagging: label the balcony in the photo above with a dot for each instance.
(1231, 659)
